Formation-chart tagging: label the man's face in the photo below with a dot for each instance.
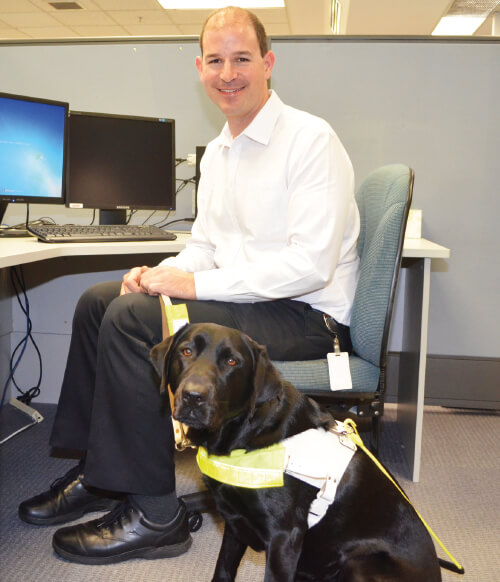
(234, 73)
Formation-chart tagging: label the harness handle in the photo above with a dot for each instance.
(182, 442)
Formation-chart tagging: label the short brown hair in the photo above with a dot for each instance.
(236, 12)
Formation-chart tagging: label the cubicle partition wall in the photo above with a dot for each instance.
(431, 104)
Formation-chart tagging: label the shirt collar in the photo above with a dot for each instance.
(261, 128)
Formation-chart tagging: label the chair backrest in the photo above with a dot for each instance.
(384, 200)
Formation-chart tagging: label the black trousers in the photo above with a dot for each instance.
(110, 406)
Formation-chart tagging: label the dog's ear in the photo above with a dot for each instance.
(267, 383)
(160, 356)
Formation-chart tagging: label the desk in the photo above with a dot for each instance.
(417, 257)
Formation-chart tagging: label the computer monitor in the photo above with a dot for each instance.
(118, 163)
(32, 150)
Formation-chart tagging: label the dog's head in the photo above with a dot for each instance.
(215, 374)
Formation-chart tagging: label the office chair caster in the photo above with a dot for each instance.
(196, 504)
(195, 520)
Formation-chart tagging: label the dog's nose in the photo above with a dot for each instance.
(192, 398)
(194, 394)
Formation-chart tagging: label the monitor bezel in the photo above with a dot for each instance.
(75, 204)
(27, 199)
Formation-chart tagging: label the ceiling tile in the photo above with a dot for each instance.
(389, 17)
(190, 29)
(141, 17)
(15, 6)
(278, 29)
(11, 34)
(46, 32)
(100, 31)
(29, 19)
(272, 15)
(127, 4)
(84, 18)
(189, 16)
(152, 30)
(45, 5)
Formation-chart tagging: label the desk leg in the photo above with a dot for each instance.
(411, 384)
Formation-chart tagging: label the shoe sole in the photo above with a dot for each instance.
(67, 517)
(170, 551)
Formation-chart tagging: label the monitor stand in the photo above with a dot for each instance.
(10, 232)
(3, 209)
(118, 216)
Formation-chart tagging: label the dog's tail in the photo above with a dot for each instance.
(450, 566)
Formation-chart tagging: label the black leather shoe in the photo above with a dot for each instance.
(123, 534)
(66, 500)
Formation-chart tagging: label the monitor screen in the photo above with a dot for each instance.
(32, 149)
(120, 162)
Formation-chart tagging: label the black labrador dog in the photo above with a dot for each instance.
(231, 397)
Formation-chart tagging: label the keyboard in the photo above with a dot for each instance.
(56, 233)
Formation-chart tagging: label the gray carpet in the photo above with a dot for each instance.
(458, 495)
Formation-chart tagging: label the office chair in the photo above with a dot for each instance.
(383, 200)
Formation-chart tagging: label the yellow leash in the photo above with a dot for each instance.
(354, 435)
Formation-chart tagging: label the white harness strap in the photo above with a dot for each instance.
(320, 458)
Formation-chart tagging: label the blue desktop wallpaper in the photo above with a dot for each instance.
(31, 148)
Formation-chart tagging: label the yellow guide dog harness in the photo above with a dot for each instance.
(301, 456)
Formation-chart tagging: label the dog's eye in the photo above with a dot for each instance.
(187, 352)
(231, 362)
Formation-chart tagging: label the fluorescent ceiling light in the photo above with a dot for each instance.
(214, 4)
(458, 25)
(464, 17)
(336, 13)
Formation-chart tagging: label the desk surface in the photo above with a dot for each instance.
(21, 250)
(18, 251)
(421, 248)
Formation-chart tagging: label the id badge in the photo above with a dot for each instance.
(339, 371)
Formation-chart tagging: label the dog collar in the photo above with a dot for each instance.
(316, 456)
(254, 469)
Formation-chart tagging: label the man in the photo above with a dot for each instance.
(273, 251)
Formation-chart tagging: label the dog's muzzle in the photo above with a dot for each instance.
(194, 402)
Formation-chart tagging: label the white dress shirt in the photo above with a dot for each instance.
(276, 215)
